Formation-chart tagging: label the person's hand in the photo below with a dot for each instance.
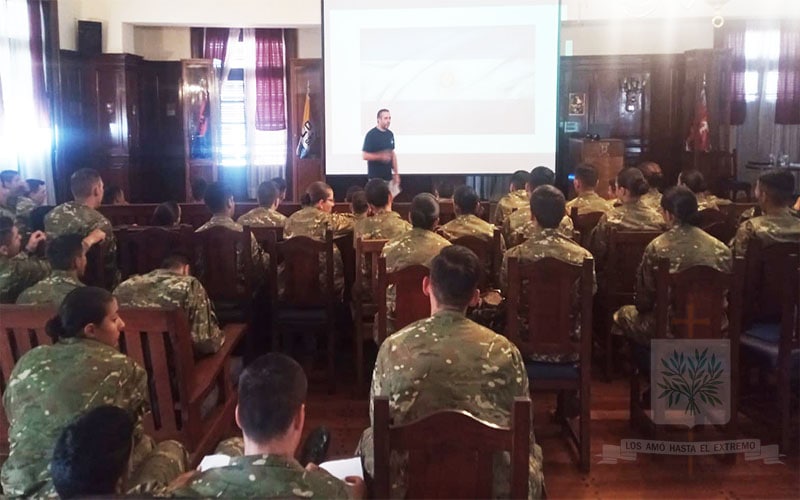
(356, 486)
(96, 236)
(386, 156)
(311, 467)
(396, 178)
(34, 240)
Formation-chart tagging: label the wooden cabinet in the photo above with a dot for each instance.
(605, 155)
(201, 121)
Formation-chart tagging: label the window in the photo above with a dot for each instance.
(761, 49)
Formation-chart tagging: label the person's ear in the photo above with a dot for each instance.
(476, 298)
(90, 330)
(426, 286)
(236, 417)
(4, 250)
(300, 418)
(185, 270)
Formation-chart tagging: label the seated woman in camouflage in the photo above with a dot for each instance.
(52, 384)
(685, 246)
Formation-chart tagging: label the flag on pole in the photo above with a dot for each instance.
(307, 132)
(698, 139)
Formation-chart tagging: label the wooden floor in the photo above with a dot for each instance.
(667, 477)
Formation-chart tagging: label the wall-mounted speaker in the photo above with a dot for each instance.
(90, 38)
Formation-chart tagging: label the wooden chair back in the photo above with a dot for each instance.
(264, 234)
(224, 263)
(367, 254)
(766, 281)
(717, 224)
(584, 224)
(488, 252)
(732, 211)
(450, 453)
(142, 249)
(625, 251)
(411, 304)
(300, 257)
(96, 273)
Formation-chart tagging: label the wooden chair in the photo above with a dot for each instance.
(584, 224)
(346, 248)
(625, 251)
(367, 254)
(715, 223)
(690, 304)
(96, 273)
(770, 345)
(488, 252)
(734, 211)
(264, 235)
(410, 303)
(303, 304)
(450, 453)
(546, 288)
(142, 249)
(730, 182)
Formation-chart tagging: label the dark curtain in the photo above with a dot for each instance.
(787, 104)
(216, 43)
(196, 42)
(270, 91)
(732, 37)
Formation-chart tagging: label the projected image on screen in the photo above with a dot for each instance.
(471, 88)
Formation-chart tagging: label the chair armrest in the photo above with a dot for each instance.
(207, 368)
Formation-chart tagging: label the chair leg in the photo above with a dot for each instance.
(585, 429)
(634, 393)
(331, 327)
(609, 354)
(785, 411)
(359, 349)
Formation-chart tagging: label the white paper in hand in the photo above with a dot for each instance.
(394, 188)
(213, 462)
(340, 469)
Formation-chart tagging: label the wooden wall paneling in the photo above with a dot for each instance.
(72, 143)
(666, 139)
(305, 73)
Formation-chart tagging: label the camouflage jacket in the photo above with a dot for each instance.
(75, 218)
(165, 288)
(509, 203)
(518, 227)
(706, 201)
(50, 290)
(468, 225)
(48, 388)
(24, 207)
(652, 199)
(262, 217)
(782, 227)
(259, 256)
(448, 362)
(634, 216)
(589, 202)
(262, 476)
(157, 469)
(384, 225)
(7, 212)
(19, 273)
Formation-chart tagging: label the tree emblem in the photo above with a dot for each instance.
(696, 378)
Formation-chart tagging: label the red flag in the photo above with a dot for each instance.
(698, 140)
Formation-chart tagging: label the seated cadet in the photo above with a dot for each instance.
(313, 220)
(67, 257)
(166, 214)
(271, 413)
(547, 240)
(654, 177)
(173, 286)
(517, 227)
(18, 269)
(466, 222)
(777, 224)
(516, 198)
(266, 213)
(10, 187)
(198, 186)
(92, 458)
(280, 182)
(32, 197)
(694, 181)
(359, 207)
(444, 192)
(685, 245)
(82, 369)
(114, 195)
(632, 215)
(448, 362)
(81, 217)
(586, 199)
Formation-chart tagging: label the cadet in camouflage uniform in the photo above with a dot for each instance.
(271, 413)
(447, 362)
(25, 203)
(18, 269)
(81, 217)
(67, 257)
(52, 384)
(654, 177)
(359, 206)
(517, 227)
(516, 198)
(11, 187)
(547, 204)
(632, 215)
(313, 220)
(586, 199)
(685, 246)
(694, 180)
(777, 224)
(173, 286)
(266, 213)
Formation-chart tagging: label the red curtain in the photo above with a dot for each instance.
(270, 91)
(787, 104)
(216, 43)
(733, 38)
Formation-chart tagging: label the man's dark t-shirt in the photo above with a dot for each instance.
(375, 141)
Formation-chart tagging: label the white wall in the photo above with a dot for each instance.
(641, 37)
(309, 43)
(170, 43)
(68, 15)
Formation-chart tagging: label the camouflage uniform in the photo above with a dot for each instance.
(447, 362)
(262, 476)
(685, 246)
(706, 201)
(518, 227)
(48, 388)
(551, 243)
(50, 290)
(260, 257)
(781, 227)
(589, 202)
(383, 225)
(165, 288)
(262, 217)
(312, 223)
(24, 207)
(19, 273)
(75, 218)
(7, 212)
(508, 203)
(468, 225)
(717, 200)
(652, 198)
(162, 464)
(635, 216)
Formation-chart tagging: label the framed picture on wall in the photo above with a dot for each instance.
(577, 104)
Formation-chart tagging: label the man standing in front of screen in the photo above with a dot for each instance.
(378, 150)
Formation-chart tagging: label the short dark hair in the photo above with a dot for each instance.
(7, 176)
(445, 189)
(267, 194)
(62, 251)
(359, 202)
(34, 184)
(652, 173)
(217, 196)
(82, 181)
(37, 217)
(317, 191)
(175, 260)
(166, 214)
(82, 306)
(466, 199)
(455, 274)
(694, 180)
(541, 176)
(271, 390)
(681, 202)
(198, 186)
(110, 194)
(424, 211)
(547, 205)
(6, 230)
(633, 180)
(92, 453)
(382, 110)
(520, 178)
(280, 182)
(348, 195)
(778, 185)
(587, 174)
(378, 192)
